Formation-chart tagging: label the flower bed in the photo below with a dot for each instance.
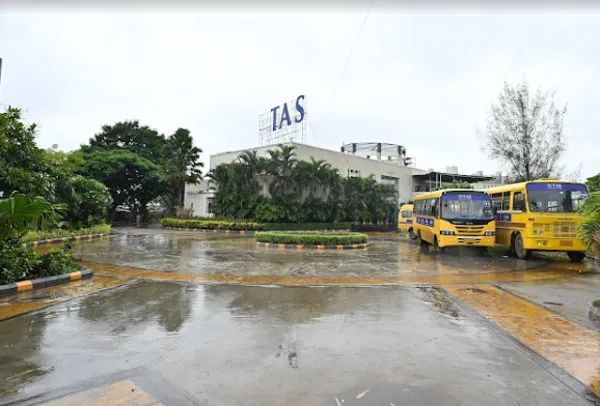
(311, 237)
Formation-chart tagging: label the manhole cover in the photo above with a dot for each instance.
(38, 297)
(475, 290)
(553, 303)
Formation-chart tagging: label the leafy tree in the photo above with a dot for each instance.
(589, 230)
(182, 165)
(22, 167)
(130, 136)
(457, 184)
(87, 200)
(131, 179)
(593, 183)
(525, 133)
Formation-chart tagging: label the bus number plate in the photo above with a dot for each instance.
(566, 243)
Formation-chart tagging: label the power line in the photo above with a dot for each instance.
(352, 51)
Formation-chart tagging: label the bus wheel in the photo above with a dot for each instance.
(576, 256)
(412, 235)
(436, 244)
(519, 247)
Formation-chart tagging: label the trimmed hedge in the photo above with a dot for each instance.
(307, 226)
(211, 224)
(59, 233)
(311, 237)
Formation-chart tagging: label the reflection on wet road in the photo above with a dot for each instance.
(243, 345)
(190, 253)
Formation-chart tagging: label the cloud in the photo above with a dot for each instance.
(421, 79)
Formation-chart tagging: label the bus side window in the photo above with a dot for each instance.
(506, 201)
(434, 208)
(426, 207)
(497, 201)
(518, 201)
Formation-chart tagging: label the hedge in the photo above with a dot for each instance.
(307, 226)
(211, 224)
(248, 225)
(59, 233)
(311, 238)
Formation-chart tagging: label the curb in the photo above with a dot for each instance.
(76, 238)
(300, 247)
(213, 230)
(39, 283)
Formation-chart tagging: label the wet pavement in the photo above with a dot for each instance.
(570, 297)
(241, 345)
(183, 305)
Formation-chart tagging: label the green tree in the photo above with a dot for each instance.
(525, 134)
(130, 136)
(589, 230)
(456, 184)
(22, 167)
(593, 183)
(182, 165)
(131, 179)
(87, 200)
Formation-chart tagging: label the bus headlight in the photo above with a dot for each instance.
(447, 232)
(488, 233)
(538, 232)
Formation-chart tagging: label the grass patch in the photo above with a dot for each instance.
(311, 237)
(596, 304)
(59, 233)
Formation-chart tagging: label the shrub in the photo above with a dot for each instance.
(308, 226)
(211, 224)
(59, 233)
(311, 237)
(596, 303)
(17, 264)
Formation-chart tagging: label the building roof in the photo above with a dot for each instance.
(449, 177)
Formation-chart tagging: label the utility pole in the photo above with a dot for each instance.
(0, 71)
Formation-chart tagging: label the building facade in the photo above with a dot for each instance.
(406, 180)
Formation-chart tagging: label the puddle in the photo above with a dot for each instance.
(38, 297)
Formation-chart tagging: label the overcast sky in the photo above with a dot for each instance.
(422, 79)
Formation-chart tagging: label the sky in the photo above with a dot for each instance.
(424, 79)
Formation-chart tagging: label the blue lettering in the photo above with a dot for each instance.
(285, 115)
(274, 110)
(299, 109)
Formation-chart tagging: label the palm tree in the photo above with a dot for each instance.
(19, 213)
(182, 164)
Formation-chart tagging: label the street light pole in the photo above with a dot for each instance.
(0, 71)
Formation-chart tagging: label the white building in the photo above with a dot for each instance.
(385, 169)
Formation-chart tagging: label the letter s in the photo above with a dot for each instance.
(299, 109)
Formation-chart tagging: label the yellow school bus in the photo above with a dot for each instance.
(405, 218)
(454, 217)
(539, 215)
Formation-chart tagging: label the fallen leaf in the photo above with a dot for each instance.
(360, 395)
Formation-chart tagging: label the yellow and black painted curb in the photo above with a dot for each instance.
(212, 230)
(60, 240)
(300, 247)
(33, 284)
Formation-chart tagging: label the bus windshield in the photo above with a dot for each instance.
(466, 206)
(555, 197)
(406, 214)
